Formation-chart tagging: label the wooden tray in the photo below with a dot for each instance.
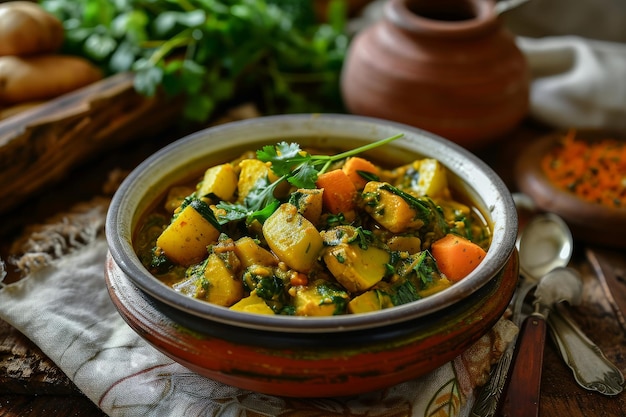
(40, 146)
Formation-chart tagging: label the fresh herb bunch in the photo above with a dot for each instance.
(210, 50)
(291, 164)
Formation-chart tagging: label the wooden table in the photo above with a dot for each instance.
(31, 385)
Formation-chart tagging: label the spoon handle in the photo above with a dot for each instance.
(521, 394)
(592, 370)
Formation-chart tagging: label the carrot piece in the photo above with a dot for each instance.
(354, 165)
(456, 256)
(339, 191)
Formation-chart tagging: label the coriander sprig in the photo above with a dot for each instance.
(291, 164)
(210, 52)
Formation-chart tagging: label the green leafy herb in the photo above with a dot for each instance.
(335, 220)
(205, 211)
(292, 164)
(332, 294)
(283, 156)
(207, 51)
(269, 287)
(429, 212)
(404, 293)
(365, 237)
(426, 269)
(369, 176)
(301, 168)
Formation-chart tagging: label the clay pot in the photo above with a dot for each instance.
(446, 66)
(347, 354)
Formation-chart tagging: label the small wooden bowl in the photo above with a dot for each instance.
(590, 222)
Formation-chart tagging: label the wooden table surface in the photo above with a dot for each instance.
(31, 385)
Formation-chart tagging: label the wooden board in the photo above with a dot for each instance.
(31, 384)
(40, 146)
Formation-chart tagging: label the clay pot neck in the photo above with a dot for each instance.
(443, 18)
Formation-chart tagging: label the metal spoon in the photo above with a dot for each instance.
(521, 397)
(592, 370)
(545, 243)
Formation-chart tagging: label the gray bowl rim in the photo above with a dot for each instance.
(458, 160)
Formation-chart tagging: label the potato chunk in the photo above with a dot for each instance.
(423, 177)
(371, 300)
(388, 209)
(220, 180)
(293, 238)
(251, 172)
(252, 304)
(309, 203)
(355, 268)
(250, 253)
(410, 244)
(432, 180)
(224, 288)
(186, 239)
(320, 298)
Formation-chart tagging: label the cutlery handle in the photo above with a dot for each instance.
(521, 394)
(592, 370)
(488, 400)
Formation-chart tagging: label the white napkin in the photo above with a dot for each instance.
(63, 306)
(577, 82)
(576, 50)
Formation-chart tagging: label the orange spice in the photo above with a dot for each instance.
(594, 170)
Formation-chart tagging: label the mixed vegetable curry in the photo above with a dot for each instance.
(288, 231)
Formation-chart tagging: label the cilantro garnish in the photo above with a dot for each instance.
(291, 164)
(365, 237)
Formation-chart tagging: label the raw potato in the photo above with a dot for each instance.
(27, 29)
(43, 77)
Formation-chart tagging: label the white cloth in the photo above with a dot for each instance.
(65, 309)
(577, 82)
(576, 50)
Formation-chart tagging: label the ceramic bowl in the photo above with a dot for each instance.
(311, 356)
(590, 222)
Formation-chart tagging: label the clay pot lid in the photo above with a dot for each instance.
(443, 18)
